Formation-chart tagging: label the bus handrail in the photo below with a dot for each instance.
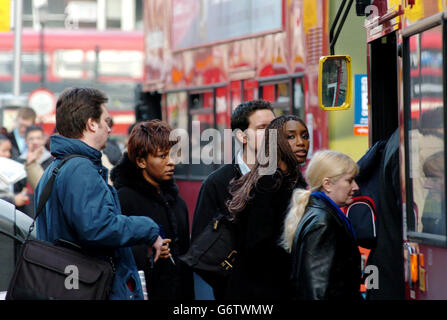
(424, 24)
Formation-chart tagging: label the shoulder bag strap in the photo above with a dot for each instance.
(48, 188)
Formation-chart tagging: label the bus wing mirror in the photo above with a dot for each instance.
(334, 82)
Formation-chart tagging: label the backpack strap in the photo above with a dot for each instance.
(46, 192)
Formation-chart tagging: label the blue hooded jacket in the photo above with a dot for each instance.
(85, 210)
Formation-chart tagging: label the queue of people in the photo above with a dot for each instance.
(294, 241)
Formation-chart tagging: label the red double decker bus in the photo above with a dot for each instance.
(203, 58)
(108, 60)
(406, 55)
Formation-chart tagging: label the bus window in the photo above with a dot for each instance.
(426, 137)
(69, 64)
(235, 94)
(177, 117)
(202, 118)
(223, 120)
(222, 114)
(30, 63)
(120, 63)
(250, 90)
(6, 63)
(298, 98)
(279, 95)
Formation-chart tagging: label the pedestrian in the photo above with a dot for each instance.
(36, 158)
(145, 184)
(112, 149)
(324, 253)
(7, 191)
(258, 205)
(250, 120)
(26, 116)
(388, 255)
(82, 207)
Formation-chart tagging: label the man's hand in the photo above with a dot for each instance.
(34, 155)
(157, 245)
(165, 250)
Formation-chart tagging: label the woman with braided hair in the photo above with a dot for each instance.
(258, 205)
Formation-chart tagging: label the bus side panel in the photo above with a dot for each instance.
(431, 281)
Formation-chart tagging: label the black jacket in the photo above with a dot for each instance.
(387, 256)
(211, 201)
(212, 197)
(325, 257)
(262, 268)
(165, 281)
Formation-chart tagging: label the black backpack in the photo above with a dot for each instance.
(363, 211)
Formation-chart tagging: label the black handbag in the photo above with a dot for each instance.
(61, 271)
(213, 253)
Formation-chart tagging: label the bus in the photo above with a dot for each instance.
(203, 58)
(54, 59)
(406, 50)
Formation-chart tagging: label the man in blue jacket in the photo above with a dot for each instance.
(82, 207)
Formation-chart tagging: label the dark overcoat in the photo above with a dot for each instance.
(165, 280)
(262, 268)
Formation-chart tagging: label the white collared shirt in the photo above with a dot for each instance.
(242, 165)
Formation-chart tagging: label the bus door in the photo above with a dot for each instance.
(383, 95)
(425, 118)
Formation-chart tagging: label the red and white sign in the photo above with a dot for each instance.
(43, 101)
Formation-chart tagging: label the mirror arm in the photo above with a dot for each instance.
(332, 38)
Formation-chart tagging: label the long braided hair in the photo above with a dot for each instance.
(241, 188)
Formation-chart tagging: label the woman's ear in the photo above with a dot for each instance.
(141, 163)
(327, 185)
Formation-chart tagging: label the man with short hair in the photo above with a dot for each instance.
(249, 120)
(35, 151)
(82, 207)
(26, 116)
(36, 158)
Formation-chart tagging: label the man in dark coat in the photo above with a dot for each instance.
(388, 253)
(142, 192)
(255, 116)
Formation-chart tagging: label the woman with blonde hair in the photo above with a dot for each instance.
(320, 238)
